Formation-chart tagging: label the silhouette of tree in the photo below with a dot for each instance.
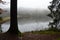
(12, 33)
(55, 12)
(13, 21)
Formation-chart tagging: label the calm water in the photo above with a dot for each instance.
(29, 20)
(25, 25)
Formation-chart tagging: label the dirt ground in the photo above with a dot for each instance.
(30, 36)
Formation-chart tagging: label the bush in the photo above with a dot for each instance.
(53, 29)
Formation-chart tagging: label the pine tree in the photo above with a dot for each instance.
(55, 13)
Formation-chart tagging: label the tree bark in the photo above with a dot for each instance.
(13, 23)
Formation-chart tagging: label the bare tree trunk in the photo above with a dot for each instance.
(13, 23)
(12, 33)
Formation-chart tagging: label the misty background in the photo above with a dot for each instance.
(30, 18)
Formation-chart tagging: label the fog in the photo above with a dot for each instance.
(29, 20)
(32, 15)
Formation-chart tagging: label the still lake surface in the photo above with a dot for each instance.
(29, 20)
(25, 25)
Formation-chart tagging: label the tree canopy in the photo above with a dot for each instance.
(55, 12)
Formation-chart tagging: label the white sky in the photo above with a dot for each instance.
(33, 3)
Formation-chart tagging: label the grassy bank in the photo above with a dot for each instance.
(41, 32)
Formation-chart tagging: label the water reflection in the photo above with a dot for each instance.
(28, 26)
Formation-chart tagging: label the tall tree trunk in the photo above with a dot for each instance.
(13, 23)
(12, 33)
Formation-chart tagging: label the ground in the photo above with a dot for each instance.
(35, 36)
(47, 35)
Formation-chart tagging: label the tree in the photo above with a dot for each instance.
(13, 21)
(12, 33)
(55, 12)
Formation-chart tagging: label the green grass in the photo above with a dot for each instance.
(41, 32)
(58, 39)
(50, 31)
(45, 32)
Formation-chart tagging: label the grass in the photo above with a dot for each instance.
(40, 32)
(45, 32)
(50, 31)
(58, 39)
